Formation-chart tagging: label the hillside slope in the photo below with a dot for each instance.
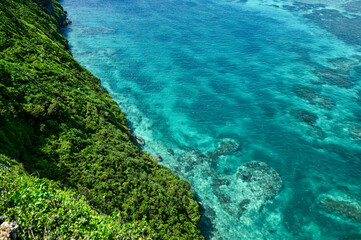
(57, 120)
(45, 211)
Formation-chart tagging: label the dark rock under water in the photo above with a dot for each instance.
(226, 146)
(333, 77)
(351, 210)
(313, 97)
(260, 178)
(304, 116)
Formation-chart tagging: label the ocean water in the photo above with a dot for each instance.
(254, 105)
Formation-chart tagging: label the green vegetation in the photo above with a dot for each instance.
(44, 211)
(60, 124)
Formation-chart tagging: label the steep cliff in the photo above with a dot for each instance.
(60, 124)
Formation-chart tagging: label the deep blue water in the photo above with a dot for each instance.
(279, 90)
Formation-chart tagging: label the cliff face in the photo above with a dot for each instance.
(57, 120)
(54, 10)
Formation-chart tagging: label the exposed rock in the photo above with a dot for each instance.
(304, 116)
(226, 146)
(158, 158)
(61, 19)
(8, 231)
(351, 210)
(2, 219)
(5, 233)
(263, 180)
(138, 141)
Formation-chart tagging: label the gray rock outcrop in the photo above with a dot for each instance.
(8, 231)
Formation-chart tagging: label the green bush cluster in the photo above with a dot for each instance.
(44, 211)
(59, 123)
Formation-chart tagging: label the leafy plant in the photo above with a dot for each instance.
(44, 211)
(61, 124)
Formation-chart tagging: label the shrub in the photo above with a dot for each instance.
(44, 211)
(57, 120)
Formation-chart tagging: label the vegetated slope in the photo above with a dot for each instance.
(44, 211)
(57, 120)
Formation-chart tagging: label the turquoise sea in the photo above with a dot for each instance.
(256, 103)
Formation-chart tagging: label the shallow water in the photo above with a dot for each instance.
(267, 83)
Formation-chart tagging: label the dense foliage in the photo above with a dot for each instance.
(59, 123)
(44, 211)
